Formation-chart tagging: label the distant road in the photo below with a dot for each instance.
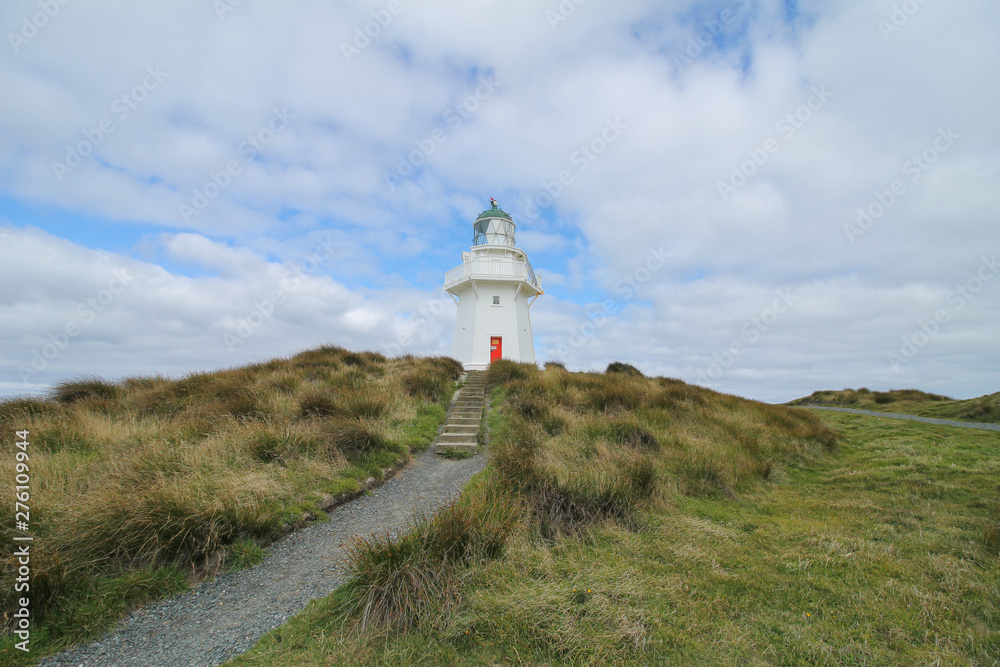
(893, 415)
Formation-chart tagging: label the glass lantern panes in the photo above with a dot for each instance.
(493, 231)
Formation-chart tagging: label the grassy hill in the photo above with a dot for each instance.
(139, 486)
(622, 519)
(909, 401)
(627, 520)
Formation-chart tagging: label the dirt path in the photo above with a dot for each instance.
(895, 415)
(224, 617)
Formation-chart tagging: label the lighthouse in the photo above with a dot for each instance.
(494, 288)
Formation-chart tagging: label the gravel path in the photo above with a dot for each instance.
(222, 618)
(895, 415)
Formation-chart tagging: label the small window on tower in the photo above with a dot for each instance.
(496, 301)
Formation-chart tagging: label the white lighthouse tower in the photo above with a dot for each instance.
(494, 287)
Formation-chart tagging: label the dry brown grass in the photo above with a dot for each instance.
(909, 401)
(587, 447)
(400, 582)
(531, 557)
(152, 472)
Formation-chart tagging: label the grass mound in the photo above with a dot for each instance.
(884, 552)
(571, 452)
(585, 447)
(866, 399)
(152, 475)
(909, 401)
(621, 367)
(400, 582)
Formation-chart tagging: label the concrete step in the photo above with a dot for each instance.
(464, 425)
(452, 438)
(460, 446)
(471, 431)
(465, 416)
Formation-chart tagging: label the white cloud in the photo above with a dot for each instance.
(655, 186)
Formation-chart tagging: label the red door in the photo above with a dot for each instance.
(496, 348)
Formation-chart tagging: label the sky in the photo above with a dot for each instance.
(764, 197)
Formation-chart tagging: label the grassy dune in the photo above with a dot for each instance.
(140, 485)
(632, 520)
(909, 401)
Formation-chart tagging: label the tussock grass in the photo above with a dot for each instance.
(864, 397)
(622, 367)
(155, 475)
(572, 453)
(86, 389)
(909, 401)
(456, 454)
(399, 582)
(871, 554)
(244, 554)
(587, 447)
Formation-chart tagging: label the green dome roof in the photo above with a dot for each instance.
(494, 211)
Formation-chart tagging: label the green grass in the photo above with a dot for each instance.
(878, 551)
(149, 475)
(457, 454)
(96, 602)
(423, 429)
(909, 401)
(622, 519)
(872, 555)
(244, 554)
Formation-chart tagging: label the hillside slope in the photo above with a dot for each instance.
(909, 401)
(137, 485)
(627, 520)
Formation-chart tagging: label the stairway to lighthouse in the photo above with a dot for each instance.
(461, 431)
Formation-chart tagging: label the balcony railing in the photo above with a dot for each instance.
(491, 269)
